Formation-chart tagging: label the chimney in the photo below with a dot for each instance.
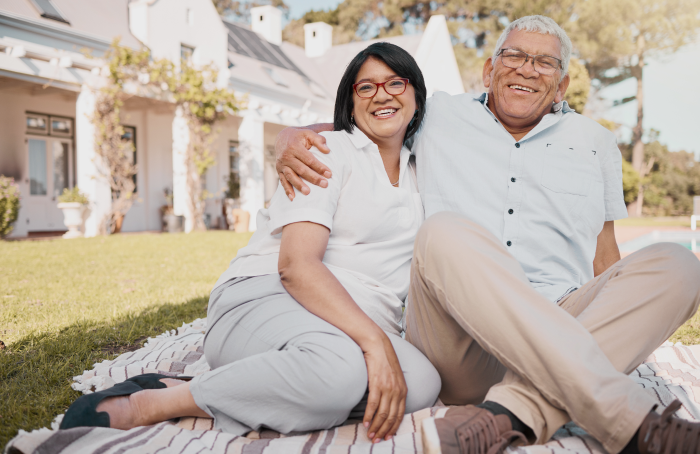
(318, 38)
(267, 21)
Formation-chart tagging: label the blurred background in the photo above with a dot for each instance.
(162, 115)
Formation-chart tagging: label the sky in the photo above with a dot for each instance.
(672, 98)
(671, 102)
(297, 8)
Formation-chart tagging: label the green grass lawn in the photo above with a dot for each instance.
(67, 304)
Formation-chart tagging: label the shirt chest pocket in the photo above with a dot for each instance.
(569, 170)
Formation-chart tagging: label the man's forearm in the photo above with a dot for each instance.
(319, 127)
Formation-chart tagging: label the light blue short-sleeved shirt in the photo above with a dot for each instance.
(545, 197)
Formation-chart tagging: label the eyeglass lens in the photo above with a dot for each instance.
(543, 64)
(392, 87)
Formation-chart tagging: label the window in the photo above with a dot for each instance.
(50, 125)
(37, 167)
(129, 136)
(49, 10)
(186, 53)
(59, 151)
(37, 124)
(61, 127)
(233, 157)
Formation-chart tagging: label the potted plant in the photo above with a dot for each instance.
(73, 203)
(236, 218)
(171, 222)
(9, 204)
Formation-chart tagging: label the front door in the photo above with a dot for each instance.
(49, 172)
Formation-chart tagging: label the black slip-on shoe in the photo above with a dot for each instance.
(83, 412)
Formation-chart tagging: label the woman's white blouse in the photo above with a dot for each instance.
(372, 227)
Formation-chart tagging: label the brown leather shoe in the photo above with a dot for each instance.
(669, 434)
(468, 430)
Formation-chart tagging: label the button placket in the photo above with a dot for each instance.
(515, 193)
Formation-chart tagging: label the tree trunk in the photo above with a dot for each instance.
(118, 221)
(635, 208)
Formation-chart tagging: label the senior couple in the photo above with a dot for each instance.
(519, 312)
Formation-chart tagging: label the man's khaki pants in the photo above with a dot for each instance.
(491, 336)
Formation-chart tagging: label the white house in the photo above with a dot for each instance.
(50, 65)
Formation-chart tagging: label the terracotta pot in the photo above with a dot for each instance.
(237, 219)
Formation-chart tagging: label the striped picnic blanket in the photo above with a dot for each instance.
(672, 372)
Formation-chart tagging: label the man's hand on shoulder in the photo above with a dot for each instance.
(295, 161)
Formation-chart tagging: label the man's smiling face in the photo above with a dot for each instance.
(519, 98)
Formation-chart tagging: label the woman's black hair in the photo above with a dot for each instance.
(400, 62)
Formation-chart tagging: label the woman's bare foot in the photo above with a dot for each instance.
(149, 406)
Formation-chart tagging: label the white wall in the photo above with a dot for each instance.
(163, 26)
(436, 58)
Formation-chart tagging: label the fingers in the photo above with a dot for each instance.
(295, 181)
(319, 142)
(288, 189)
(313, 168)
(381, 416)
(399, 418)
(372, 404)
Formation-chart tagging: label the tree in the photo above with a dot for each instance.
(579, 87)
(616, 39)
(194, 90)
(241, 9)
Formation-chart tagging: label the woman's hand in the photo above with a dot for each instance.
(386, 402)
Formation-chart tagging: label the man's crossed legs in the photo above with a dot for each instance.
(493, 338)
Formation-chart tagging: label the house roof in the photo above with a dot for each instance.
(332, 64)
(103, 19)
(244, 41)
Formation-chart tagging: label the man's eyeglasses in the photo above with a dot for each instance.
(393, 87)
(543, 64)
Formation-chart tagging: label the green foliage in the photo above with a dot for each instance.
(617, 35)
(673, 181)
(73, 195)
(194, 90)
(579, 87)
(9, 204)
(630, 182)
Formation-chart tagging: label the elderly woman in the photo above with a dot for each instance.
(304, 326)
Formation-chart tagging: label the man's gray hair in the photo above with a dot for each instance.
(543, 25)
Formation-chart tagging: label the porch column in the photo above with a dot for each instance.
(181, 140)
(91, 171)
(251, 138)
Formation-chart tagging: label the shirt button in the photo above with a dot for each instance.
(517, 145)
(509, 243)
(510, 211)
(513, 180)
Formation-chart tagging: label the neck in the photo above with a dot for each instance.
(517, 128)
(390, 151)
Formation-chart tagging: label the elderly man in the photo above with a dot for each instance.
(518, 294)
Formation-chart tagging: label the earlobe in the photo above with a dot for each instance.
(486, 72)
(561, 90)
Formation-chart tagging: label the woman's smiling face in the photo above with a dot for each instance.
(383, 118)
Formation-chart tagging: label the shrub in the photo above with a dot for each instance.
(9, 204)
(72, 196)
